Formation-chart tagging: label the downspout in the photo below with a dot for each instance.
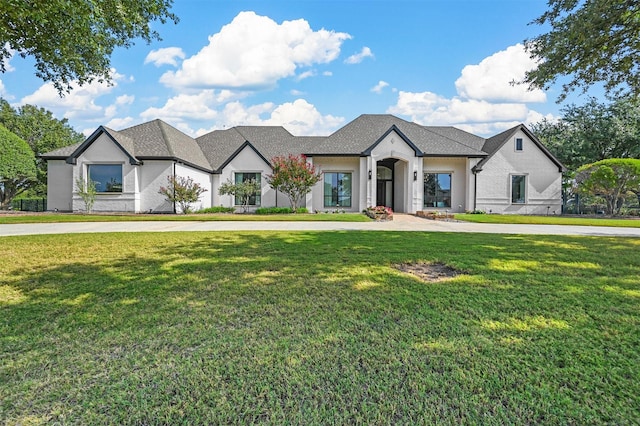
(174, 187)
(475, 189)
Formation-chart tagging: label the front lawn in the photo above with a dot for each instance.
(318, 328)
(97, 217)
(548, 220)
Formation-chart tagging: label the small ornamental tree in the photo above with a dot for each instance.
(293, 176)
(17, 166)
(182, 191)
(242, 191)
(87, 191)
(611, 179)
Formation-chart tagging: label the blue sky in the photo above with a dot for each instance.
(313, 66)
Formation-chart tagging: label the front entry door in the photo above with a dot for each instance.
(384, 187)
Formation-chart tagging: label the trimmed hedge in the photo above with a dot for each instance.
(279, 210)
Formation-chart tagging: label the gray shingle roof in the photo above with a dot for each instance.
(358, 136)
(61, 153)
(157, 139)
(212, 151)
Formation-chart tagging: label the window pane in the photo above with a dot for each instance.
(437, 190)
(518, 186)
(337, 189)
(518, 144)
(107, 177)
(255, 199)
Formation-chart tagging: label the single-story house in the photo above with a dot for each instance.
(373, 160)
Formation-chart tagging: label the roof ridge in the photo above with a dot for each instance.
(448, 138)
(164, 137)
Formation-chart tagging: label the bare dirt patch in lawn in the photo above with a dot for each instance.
(429, 272)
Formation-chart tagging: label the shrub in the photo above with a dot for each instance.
(280, 210)
(216, 209)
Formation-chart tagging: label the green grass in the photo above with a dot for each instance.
(318, 328)
(548, 220)
(198, 217)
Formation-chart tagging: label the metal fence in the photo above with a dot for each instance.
(30, 204)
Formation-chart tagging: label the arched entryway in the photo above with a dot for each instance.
(385, 173)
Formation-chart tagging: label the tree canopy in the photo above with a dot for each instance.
(74, 40)
(42, 132)
(590, 41)
(293, 176)
(17, 166)
(611, 179)
(593, 132)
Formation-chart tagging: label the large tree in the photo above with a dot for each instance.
(613, 180)
(17, 166)
(72, 40)
(42, 132)
(593, 132)
(590, 41)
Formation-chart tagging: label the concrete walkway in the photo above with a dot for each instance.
(401, 222)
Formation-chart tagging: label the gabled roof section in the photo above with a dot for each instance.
(395, 129)
(160, 141)
(363, 133)
(221, 146)
(121, 141)
(493, 145)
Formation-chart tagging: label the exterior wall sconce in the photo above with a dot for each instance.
(415, 175)
(369, 174)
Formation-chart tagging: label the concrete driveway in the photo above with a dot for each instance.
(401, 222)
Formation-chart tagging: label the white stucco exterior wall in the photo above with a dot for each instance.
(60, 185)
(200, 177)
(458, 168)
(247, 161)
(543, 180)
(406, 194)
(104, 151)
(153, 175)
(337, 164)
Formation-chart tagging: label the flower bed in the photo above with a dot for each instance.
(434, 215)
(379, 213)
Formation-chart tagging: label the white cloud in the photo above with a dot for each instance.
(327, 73)
(3, 90)
(254, 51)
(120, 123)
(306, 74)
(491, 79)
(79, 104)
(378, 87)
(165, 56)
(295, 92)
(428, 108)
(299, 117)
(359, 57)
(486, 103)
(186, 107)
(125, 99)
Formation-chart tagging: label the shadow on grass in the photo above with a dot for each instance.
(318, 327)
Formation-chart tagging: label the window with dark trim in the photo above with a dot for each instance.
(518, 144)
(107, 177)
(437, 190)
(255, 199)
(337, 189)
(518, 189)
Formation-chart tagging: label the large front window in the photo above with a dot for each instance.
(107, 177)
(518, 189)
(337, 189)
(437, 190)
(254, 200)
